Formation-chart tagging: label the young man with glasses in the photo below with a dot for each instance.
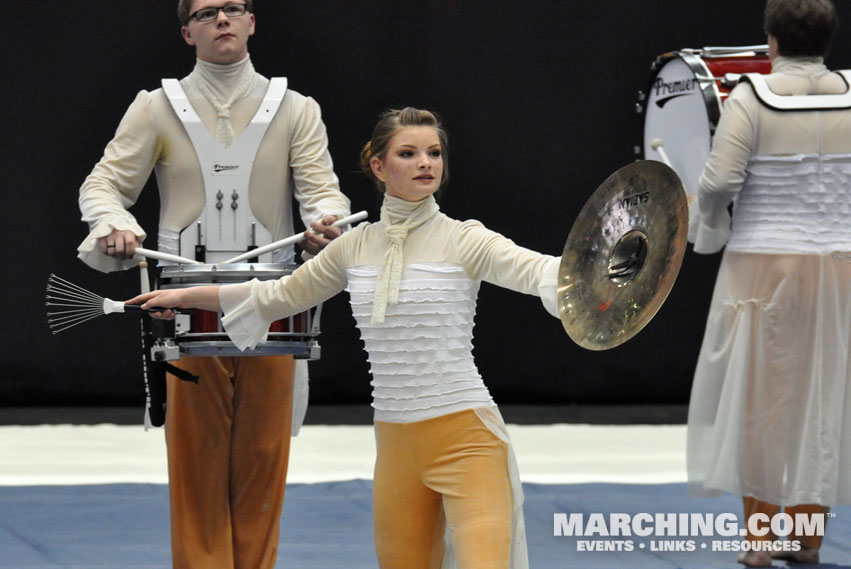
(228, 434)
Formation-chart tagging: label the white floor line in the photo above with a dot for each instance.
(551, 454)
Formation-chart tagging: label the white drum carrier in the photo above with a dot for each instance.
(226, 228)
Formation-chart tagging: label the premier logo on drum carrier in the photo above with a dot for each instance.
(674, 89)
(217, 168)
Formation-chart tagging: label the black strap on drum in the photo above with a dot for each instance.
(180, 374)
(154, 371)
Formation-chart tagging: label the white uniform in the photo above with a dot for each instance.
(228, 436)
(421, 354)
(770, 405)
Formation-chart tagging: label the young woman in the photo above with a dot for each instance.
(444, 464)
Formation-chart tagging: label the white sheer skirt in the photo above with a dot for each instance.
(770, 411)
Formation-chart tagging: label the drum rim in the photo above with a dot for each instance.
(224, 267)
(711, 94)
(213, 273)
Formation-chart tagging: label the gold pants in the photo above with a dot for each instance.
(228, 440)
(754, 506)
(451, 469)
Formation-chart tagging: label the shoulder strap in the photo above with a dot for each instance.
(777, 102)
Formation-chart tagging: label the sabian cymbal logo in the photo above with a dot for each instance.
(634, 200)
(224, 167)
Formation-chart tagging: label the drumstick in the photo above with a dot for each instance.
(293, 239)
(657, 145)
(144, 280)
(160, 256)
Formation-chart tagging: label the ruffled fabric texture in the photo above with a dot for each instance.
(245, 326)
(750, 133)
(794, 204)
(109, 219)
(421, 352)
(420, 355)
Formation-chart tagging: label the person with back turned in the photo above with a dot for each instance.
(770, 405)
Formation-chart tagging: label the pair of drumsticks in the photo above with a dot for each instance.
(70, 305)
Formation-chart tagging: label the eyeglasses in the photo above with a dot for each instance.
(210, 14)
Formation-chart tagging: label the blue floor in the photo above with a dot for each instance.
(328, 526)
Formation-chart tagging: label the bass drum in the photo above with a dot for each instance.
(685, 99)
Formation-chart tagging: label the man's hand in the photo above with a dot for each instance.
(119, 244)
(320, 234)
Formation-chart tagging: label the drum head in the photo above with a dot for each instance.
(681, 112)
(623, 255)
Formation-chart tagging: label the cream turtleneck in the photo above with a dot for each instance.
(800, 65)
(222, 85)
(803, 76)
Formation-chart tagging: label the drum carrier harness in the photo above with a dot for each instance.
(225, 227)
(777, 102)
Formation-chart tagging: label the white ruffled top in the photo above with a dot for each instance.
(420, 355)
(797, 204)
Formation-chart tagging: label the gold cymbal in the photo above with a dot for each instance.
(623, 255)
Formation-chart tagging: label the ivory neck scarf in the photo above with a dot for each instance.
(222, 86)
(399, 217)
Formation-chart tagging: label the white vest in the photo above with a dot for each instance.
(226, 226)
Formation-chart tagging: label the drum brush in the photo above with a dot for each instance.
(69, 305)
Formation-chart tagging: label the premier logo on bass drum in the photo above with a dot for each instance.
(666, 91)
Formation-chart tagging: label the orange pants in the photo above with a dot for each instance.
(754, 506)
(228, 439)
(451, 469)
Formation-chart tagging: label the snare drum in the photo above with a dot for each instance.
(201, 333)
(685, 100)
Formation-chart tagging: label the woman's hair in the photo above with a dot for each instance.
(184, 7)
(388, 125)
(802, 28)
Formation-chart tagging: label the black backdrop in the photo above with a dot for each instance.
(537, 96)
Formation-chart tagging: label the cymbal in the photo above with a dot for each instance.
(623, 255)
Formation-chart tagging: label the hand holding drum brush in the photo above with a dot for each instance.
(69, 305)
